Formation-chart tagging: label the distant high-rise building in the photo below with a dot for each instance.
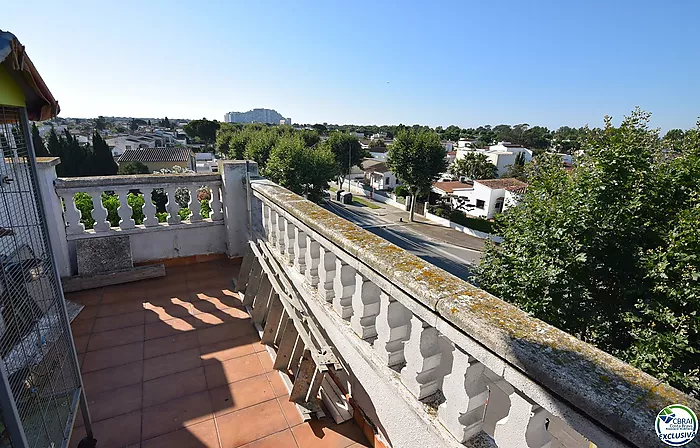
(257, 116)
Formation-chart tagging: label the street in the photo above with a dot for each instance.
(459, 260)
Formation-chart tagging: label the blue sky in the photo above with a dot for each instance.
(437, 63)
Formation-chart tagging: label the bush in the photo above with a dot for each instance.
(401, 191)
(456, 216)
(133, 168)
(479, 224)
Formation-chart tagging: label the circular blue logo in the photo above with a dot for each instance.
(676, 425)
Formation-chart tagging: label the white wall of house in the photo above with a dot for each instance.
(486, 202)
(382, 181)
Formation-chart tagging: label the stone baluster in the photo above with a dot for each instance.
(272, 231)
(343, 288)
(525, 424)
(194, 205)
(281, 238)
(124, 210)
(172, 206)
(215, 203)
(312, 258)
(72, 215)
(299, 250)
(466, 394)
(149, 209)
(392, 325)
(365, 307)
(326, 273)
(99, 213)
(421, 375)
(289, 244)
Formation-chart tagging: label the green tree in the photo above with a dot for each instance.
(204, 130)
(474, 166)
(54, 144)
(347, 151)
(100, 123)
(38, 143)
(417, 159)
(102, 160)
(259, 146)
(133, 125)
(303, 170)
(609, 251)
(165, 123)
(673, 139)
(133, 168)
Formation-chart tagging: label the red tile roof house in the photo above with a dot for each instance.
(278, 323)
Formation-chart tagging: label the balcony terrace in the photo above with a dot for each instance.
(405, 353)
(176, 362)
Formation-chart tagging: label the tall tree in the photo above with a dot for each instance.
(347, 151)
(38, 143)
(303, 170)
(608, 251)
(474, 166)
(203, 129)
(103, 163)
(133, 125)
(54, 144)
(417, 159)
(100, 123)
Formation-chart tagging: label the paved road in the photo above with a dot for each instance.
(455, 259)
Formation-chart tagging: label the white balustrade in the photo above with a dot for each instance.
(343, 288)
(326, 273)
(149, 209)
(194, 205)
(289, 244)
(421, 375)
(365, 307)
(124, 210)
(299, 250)
(72, 215)
(217, 212)
(172, 207)
(392, 325)
(281, 238)
(311, 260)
(272, 227)
(466, 394)
(525, 425)
(120, 186)
(99, 212)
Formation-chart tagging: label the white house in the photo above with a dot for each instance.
(205, 162)
(485, 198)
(502, 155)
(378, 174)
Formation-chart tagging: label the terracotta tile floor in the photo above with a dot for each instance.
(176, 362)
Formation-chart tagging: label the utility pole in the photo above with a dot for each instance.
(349, 163)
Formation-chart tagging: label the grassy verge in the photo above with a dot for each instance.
(365, 202)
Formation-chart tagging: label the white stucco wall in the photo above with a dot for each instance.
(181, 240)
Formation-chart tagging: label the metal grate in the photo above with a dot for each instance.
(35, 339)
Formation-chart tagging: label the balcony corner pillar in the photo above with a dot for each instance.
(235, 203)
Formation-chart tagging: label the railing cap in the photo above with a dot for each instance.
(619, 397)
(64, 183)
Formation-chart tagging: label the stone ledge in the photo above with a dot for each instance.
(92, 182)
(619, 397)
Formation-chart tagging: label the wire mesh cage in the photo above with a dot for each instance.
(40, 366)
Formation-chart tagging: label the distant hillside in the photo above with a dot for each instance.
(256, 116)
